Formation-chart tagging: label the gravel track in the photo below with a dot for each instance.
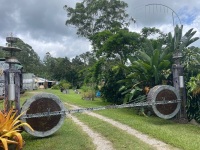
(101, 142)
(156, 144)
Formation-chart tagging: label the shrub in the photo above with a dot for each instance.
(193, 98)
(9, 129)
(64, 84)
(88, 92)
(55, 87)
(110, 91)
(85, 88)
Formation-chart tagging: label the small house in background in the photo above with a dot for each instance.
(29, 81)
(40, 82)
(44, 83)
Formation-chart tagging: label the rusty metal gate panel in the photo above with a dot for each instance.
(166, 94)
(45, 113)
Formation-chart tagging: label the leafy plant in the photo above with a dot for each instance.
(193, 98)
(64, 84)
(145, 71)
(55, 87)
(10, 129)
(88, 92)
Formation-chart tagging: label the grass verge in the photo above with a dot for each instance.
(76, 99)
(120, 139)
(184, 136)
(69, 136)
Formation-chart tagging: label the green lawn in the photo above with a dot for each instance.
(120, 139)
(68, 137)
(69, 131)
(184, 136)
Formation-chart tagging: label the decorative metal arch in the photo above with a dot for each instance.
(173, 12)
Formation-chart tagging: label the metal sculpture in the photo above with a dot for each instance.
(12, 77)
(46, 113)
(166, 94)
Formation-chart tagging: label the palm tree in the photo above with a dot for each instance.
(145, 71)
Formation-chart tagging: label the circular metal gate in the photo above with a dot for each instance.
(165, 94)
(45, 113)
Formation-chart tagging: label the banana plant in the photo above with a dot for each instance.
(149, 68)
(145, 71)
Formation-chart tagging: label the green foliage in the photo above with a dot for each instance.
(94, 16)
(191, 61)
(64, 84)
(55, 87)
(85, 88)
(28, 58)
(193, 98)
(179, 42)
(193, 107)
(120, 44)
(88, 92)
(146, 70)
(110, 90)
(146, 32)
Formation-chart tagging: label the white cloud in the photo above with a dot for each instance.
(43, 26)
(67, 47)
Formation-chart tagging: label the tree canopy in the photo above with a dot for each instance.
(93, 16)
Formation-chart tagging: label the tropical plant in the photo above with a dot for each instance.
(110, 89)
(10, 129)
(191, 61)
(146, 70)
(194, 85)
(193, 98)
(179, 42)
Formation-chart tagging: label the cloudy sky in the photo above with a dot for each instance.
(41, 23)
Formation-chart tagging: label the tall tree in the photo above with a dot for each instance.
(28, 58)
(92, 16)
(120, 44)
(62, 70)
(49, 66)
(87, 58)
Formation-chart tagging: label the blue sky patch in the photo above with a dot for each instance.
(187, 15)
